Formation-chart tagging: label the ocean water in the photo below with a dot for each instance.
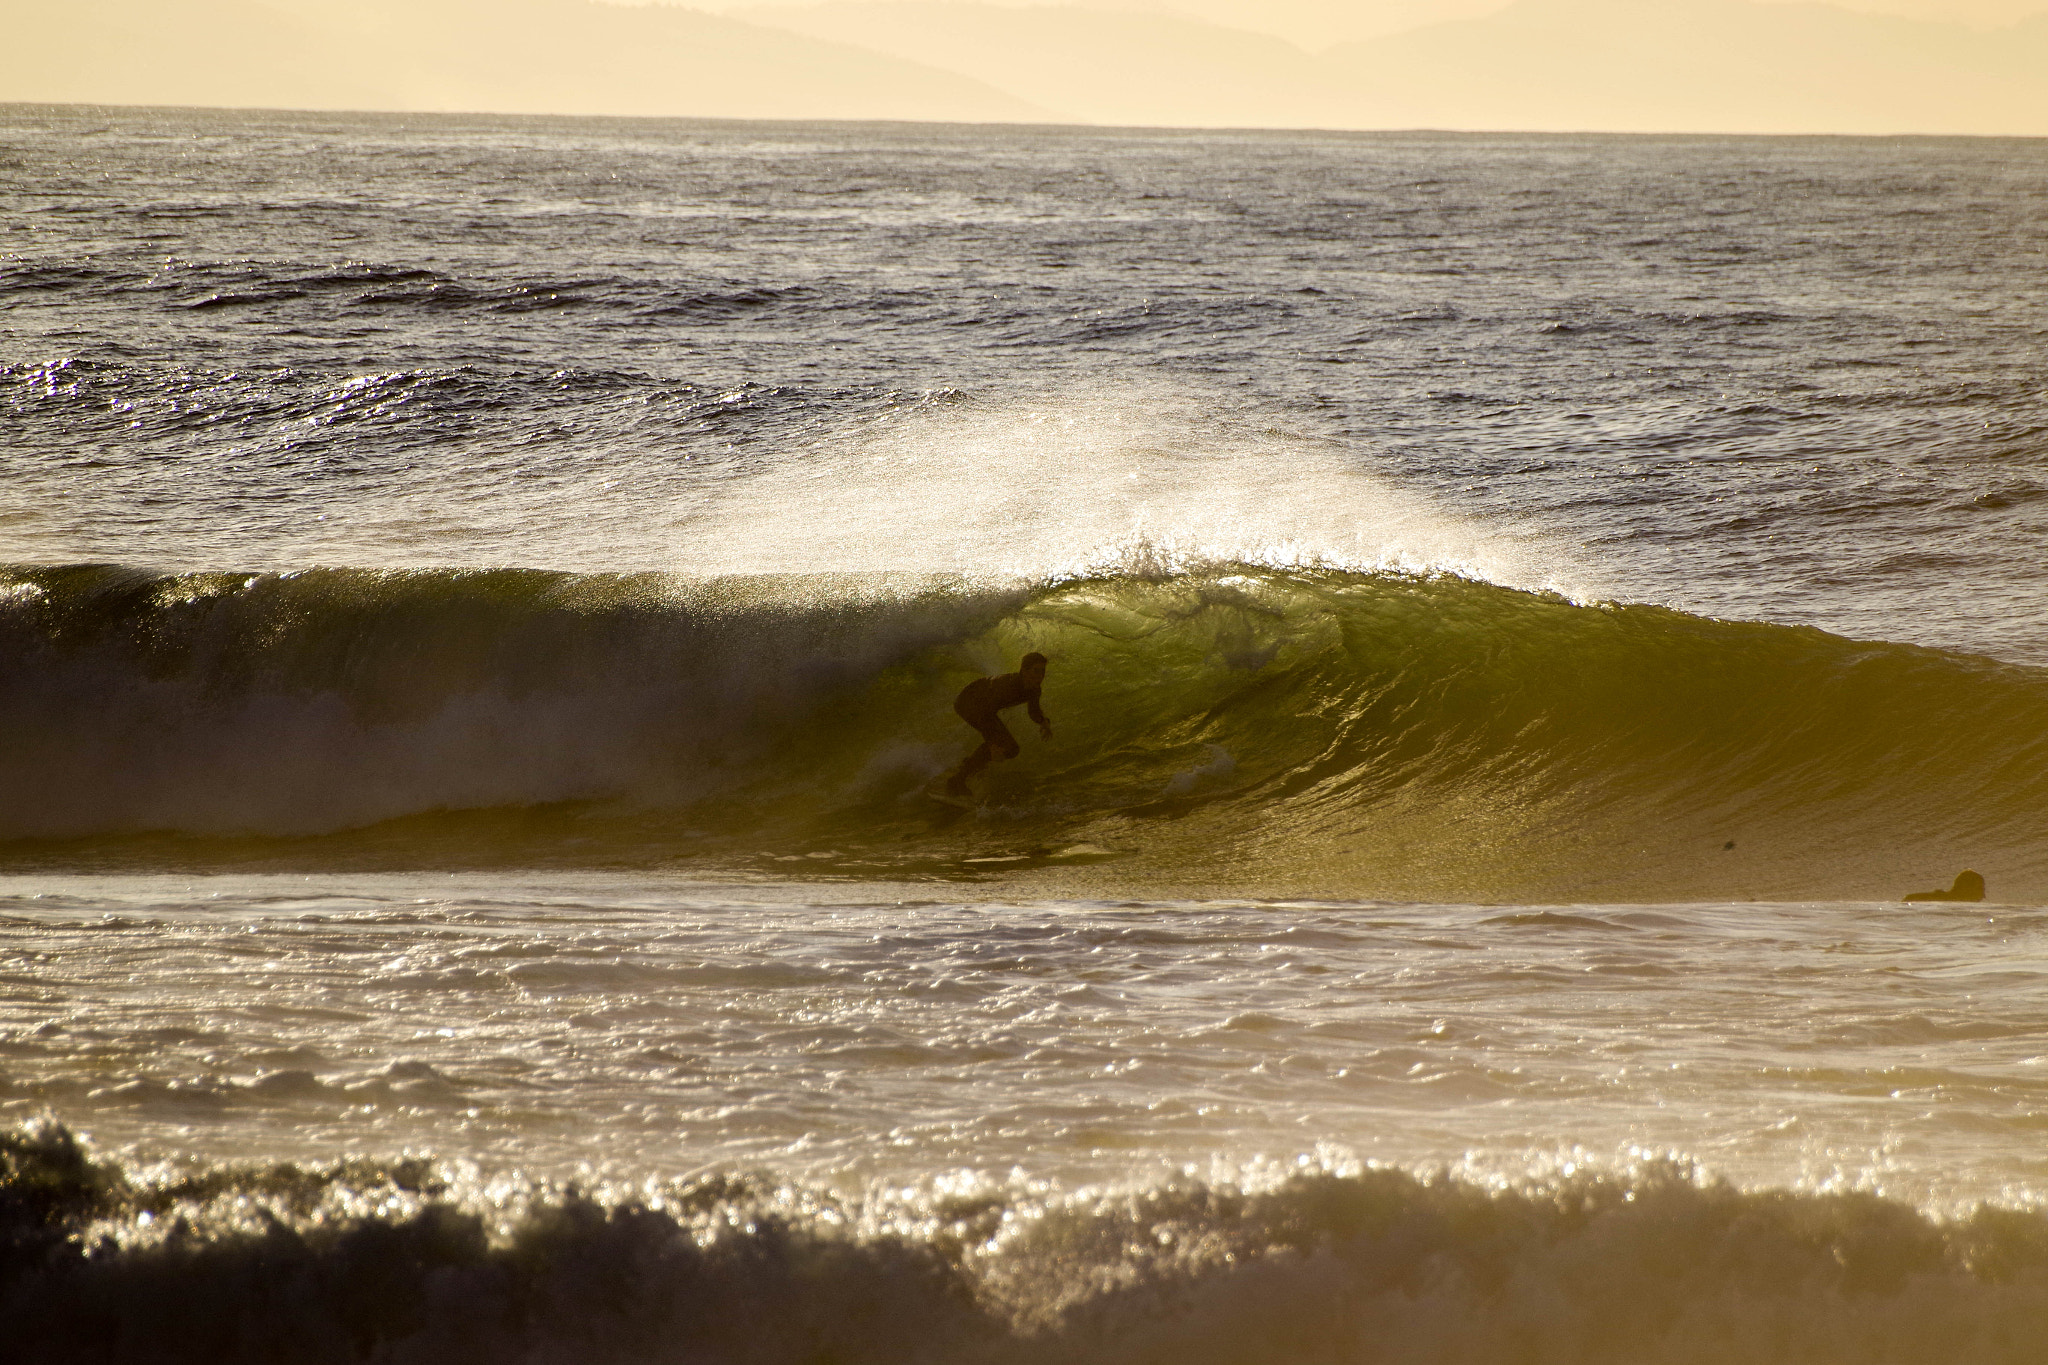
(481, 607)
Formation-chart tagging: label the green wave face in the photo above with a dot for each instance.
(1384, 736)
(1238, 730)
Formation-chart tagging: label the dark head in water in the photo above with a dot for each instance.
(978, 704)
(1969, 887)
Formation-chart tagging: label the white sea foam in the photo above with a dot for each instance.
(616, 1026)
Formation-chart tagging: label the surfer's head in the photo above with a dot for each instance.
(1032, 665)
(1969, 887)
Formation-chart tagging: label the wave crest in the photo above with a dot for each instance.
(1284, 730)
(359, 1261)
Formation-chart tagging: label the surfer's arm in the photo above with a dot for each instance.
(1037, 713)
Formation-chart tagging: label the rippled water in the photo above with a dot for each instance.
(1788, 378)
(556, 1023)
(484, 597)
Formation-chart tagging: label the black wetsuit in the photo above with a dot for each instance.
(978, 705)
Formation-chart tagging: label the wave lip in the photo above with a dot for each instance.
(366, 1260)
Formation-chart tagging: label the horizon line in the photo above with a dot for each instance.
(1040, 125)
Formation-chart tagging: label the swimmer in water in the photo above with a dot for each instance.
(1969, 887)
(978, 704)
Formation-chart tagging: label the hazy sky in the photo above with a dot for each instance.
(1564, 65)
(1319, 22)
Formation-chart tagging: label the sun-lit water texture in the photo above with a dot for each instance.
(481, 608)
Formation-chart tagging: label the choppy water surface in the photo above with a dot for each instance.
(553, 1024)
(482, 602)
(1790, 378)
(760, 1122)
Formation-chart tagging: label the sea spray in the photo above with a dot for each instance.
(1134, 476)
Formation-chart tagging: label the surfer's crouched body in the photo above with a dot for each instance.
(978, 704)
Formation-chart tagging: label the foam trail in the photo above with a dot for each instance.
(1130, 479)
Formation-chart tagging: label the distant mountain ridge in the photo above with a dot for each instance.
(1594, 65)
(1094, 65)
(1708, 66)
(496, 56)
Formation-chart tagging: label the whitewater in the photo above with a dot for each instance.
(480, 606)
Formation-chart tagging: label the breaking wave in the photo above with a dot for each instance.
(1253, 729)
(401, 1261)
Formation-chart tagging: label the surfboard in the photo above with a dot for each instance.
(936, 791)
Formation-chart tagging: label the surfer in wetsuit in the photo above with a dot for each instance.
(978, 704)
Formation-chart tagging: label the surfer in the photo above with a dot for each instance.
(1969, 886)
(978, 704)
